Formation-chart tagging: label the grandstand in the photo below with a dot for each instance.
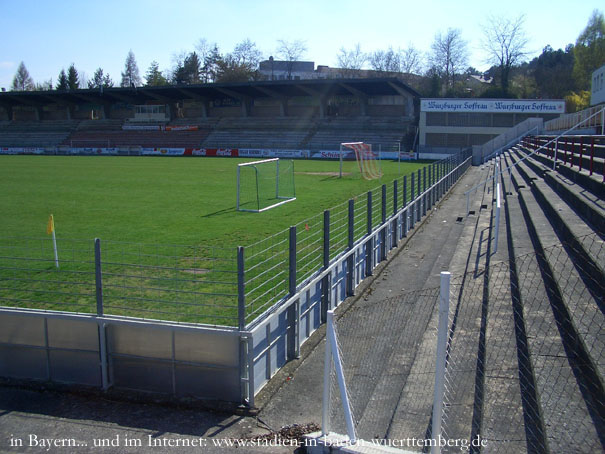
(305, 114)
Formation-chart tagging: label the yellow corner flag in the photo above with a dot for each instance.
(50, 228)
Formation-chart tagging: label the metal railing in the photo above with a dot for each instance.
(575, 149)
(586, 116)
(529, 155)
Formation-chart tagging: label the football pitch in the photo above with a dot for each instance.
(168, 230)
(184, 201)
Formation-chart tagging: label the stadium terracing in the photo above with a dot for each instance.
(286, 114)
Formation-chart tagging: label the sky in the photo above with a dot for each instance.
(51, 35)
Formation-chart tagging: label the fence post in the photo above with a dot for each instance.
(383, 218)
(351, 242)
(412, 208)
(326, 398)
(340, 377)
(498, 204)
(292, 310)
(424, 197)
(581, 151)
(325, 283)
(444, 305)
(406, 214)
(370, 242)
(395, 225)
(591, 153)
(241, 290)
(419, 204)
(98, 277)
(430, 194)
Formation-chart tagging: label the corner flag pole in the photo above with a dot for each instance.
(50, 230)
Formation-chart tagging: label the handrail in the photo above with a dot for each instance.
(509, 168)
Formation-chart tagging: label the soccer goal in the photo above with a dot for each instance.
(366, 159)
(262, 185)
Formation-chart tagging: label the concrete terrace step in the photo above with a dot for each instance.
(412, 416)
(594, 183)
(582, 198)
(557, 351)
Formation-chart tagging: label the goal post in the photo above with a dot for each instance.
(366, 159)
(265, 184)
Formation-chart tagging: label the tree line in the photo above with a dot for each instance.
(441, 72)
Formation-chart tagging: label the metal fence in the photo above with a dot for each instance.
(210, 285)
(273, 268)
(171, 282)
(267, 298)
(524, 360)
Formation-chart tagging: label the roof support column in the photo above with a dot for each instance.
(205, 107)
(323, 106)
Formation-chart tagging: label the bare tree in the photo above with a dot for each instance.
(384, 60)
(291, 51)
(22, 80)
(410, 60)
(247, 54)
(504, 42)
(351, 61)
(449, 55)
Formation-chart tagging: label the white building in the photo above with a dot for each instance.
(597, 93)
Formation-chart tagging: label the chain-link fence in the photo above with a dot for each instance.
(525, 359)
(158, 281)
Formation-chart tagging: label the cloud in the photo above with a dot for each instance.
(7, 64)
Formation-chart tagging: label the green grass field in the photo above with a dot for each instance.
(157, 219)
(160, 200)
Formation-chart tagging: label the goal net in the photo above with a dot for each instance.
(262, 185)
(366, 159)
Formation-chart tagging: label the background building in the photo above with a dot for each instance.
(454, 124)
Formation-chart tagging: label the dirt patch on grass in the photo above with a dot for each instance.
(196, 271)
(326, 174)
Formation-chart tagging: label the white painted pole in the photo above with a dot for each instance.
(55, 248)
(340, 376)
(340, 174)
(277, 180)
(237, 204)
(497, 216)
(444, 307)
(325, 417)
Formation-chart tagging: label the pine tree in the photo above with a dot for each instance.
(154, 76)
(62, 81)
(211, 64)
(130, 76)
(193, 69)
(99, 79)
(22, 80)
(72, 77)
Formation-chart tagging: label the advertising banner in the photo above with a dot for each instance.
(493, 106)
